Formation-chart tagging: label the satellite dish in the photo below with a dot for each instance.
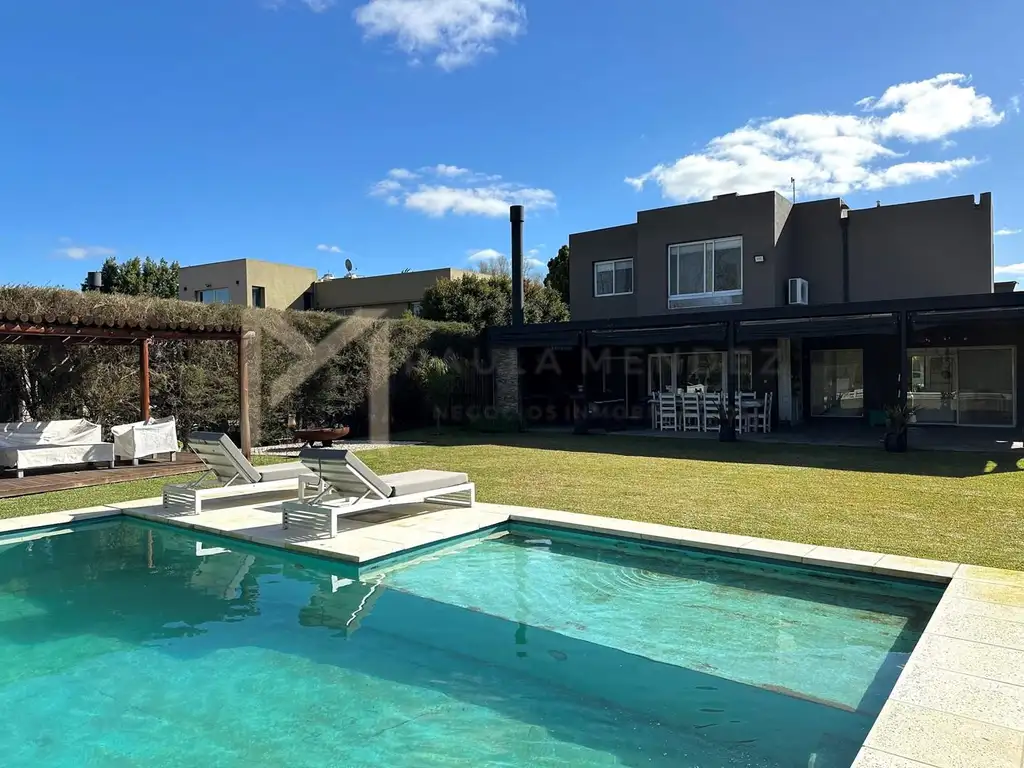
(348, 264)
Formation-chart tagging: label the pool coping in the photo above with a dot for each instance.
(958, 702)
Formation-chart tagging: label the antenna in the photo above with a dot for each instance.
(348, 264)
(792, 181)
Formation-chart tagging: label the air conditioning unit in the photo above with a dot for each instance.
(797, 291)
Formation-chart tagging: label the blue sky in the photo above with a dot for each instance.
(396, 132)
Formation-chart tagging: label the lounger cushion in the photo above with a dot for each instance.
(422, 480)
(331, 464)
(282, 471)
(222, 457)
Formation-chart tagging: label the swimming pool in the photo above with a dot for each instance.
(130, 644)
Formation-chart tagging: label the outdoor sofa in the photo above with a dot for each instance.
(39, 444)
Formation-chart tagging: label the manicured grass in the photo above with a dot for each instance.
(963, 507)
(950, 506)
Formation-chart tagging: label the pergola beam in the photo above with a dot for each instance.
(14, 330)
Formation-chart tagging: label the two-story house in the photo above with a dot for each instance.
(837, 312)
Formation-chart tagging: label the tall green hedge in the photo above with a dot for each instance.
(196, 381)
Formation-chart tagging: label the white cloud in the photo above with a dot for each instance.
(1010, 269)
(323, 247)
(318, 6)
(449, 170)
(79, 252)
(465, 193)
(455, 32)
(1006, 231)
(832, 154)
(484, 254)
(404, 174)
(1015, 104)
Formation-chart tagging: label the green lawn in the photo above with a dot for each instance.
(951, 506)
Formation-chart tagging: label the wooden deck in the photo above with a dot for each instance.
(44, 481)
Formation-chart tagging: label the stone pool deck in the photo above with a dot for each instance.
(959, 701)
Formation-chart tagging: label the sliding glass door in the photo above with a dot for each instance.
(933, 374)
(964, 385)
(837, 383)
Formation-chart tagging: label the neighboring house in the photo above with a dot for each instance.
(251, 282)
(823, 305)
(389, 295)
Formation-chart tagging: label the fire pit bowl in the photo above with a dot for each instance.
(325, 437)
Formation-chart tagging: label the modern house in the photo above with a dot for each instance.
(251, 282)
(837, 312)
(257, 283)
(389, 295)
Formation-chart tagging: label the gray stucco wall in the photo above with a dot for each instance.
(817, 249)
(751, 217)
(601, 245)
(930, 248)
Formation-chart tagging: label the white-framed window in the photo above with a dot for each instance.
(613, 278)
(706, 268)
(213, 296)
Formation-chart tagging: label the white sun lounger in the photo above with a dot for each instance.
(349, 487)
(235, 475)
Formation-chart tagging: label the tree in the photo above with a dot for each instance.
(140, 278)
(557, 277)
(437, 376)
(487, 300)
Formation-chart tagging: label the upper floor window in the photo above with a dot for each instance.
(613, 278)
(213, 296)
(259, 296)
(709, 268)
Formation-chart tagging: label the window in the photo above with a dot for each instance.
(613, 278)
(963, 385)
(259, 296)
(213, 296)
(837, 382)
(416, 308)
(710, 268)
(668, 372)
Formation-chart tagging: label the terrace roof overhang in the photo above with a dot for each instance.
(852, 318)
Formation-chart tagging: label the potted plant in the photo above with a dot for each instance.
(897, 419)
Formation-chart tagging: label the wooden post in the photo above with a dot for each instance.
(244, 433)
(144, 378)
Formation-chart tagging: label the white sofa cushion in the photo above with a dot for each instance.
(141, 439)
(26, 434)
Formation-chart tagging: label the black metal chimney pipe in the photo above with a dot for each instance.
(516, 217)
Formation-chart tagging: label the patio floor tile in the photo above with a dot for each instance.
(988, 701)
(944, 740)
(1005, 665)
(915, 567)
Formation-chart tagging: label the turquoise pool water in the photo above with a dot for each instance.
(130, 645)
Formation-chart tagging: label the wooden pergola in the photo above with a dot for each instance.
(38, 329)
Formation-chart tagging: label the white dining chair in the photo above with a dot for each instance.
(764, 415)
(691, 412)
(746, 411)
(668, 412)
(712, 418)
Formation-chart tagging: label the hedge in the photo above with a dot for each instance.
(196, 381)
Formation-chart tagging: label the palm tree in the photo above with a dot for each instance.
(437, 376)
